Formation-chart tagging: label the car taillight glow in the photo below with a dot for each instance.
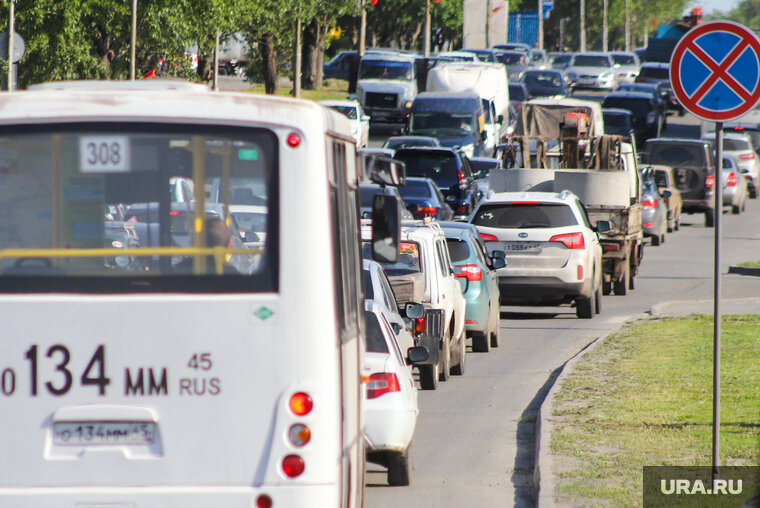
(174, 212)
(263, 501)
(709, 181)
(301, 403)
(570, 240)
(649, 203)
(731, 179)
(650, 117)
(460, 175)
(524, 203)
(299, 434)
(580, 272)
(293, 140)
(420, 325)
(488, 238)
(747, 156)
(381, 383)
(462, 208)
(426, 210)
(293, 465)
(472, 273)
(649, 224)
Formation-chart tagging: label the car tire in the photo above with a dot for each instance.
(621, 286)
(480, 342)
(429, 376)
(584, 307)
(656, 240)
(709, 219)
(677, 223)
(400, 467)
(458, 369)
(445, 363)
(736, 209)
(598, 300)
(495, 336)
(606, 287)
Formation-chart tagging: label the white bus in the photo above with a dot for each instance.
(148, 358)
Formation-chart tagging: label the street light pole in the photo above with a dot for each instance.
(583, 27)
(628, 25)
(540, 24)
(604, 26)
(134, 41)
(11, 30)
(426, 44)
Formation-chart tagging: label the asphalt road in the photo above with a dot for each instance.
(474, 445)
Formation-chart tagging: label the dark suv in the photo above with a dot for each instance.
(449, 168)
(648, 119)
(694, 168)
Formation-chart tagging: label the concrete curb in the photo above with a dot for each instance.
(742, 270)
(543, 472)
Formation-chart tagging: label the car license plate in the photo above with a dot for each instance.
(532, 247)
(103, 433)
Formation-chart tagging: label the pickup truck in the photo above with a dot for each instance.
(602, 172)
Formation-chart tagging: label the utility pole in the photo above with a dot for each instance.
(133, 44)
(426, 43)
(11, 33)
(604, 25)
(628, 25)
(582, 47)
(215, 82)
(362, 29)
(540, 24)
(297, 64)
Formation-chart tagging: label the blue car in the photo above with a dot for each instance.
(479, 282)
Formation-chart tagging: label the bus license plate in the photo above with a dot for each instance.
(103, 433)
(532, 247)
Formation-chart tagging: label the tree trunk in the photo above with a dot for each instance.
(205, 68)
(310, 43)
(321, 37)
(268, 63)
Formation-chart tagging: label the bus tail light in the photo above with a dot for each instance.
(301, 404)
(731, 179)
(570, 240)
(420, 325)
(293, 465)
(263, 501)
(488, 238)
(472, 273)
(293, 140)
(381, 383)
(299, 434)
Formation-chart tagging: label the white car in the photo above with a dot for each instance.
(391, 397)
(252, 220)
(553, 253)
(734, 186)
(378, 289)
(356, 115)
(592, 70)
(626, 66)
(740, 145)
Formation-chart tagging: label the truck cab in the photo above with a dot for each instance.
(387, 85)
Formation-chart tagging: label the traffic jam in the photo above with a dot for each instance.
(171, 254)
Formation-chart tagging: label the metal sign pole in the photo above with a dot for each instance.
(718, 189)
(11, 31)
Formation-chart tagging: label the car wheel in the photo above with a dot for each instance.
(677, 224)
(656, 240)
(753, 193)
(606, 287)
(621, 286)
(598, 300)
(458, 369)
(584, 307)
(400, 467)
(480, 342)
(429, 376)
(709, 219)
(495, 336)
(744, 205)
(445, 363)
(736, 209)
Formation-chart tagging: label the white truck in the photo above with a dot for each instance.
(602, 172)
(387, 85)
(487, 80)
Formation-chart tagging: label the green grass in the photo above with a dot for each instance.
(750, 264)
(644, 397)
(333, 89)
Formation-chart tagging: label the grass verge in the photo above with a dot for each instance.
(333, 89)
(750, 264)
(644, 397)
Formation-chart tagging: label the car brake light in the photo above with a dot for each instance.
(462, 208)
(649, 224)
(650, 117)
(381, 383)
(709, 181)
(747, 156)
(301, 403)
(174, 212)
(420, 325)
(293, 465)
(731, 179)
(472, 273)
(524, 203)
(649, 203)
(488, 238)
(580, 272)
(570, 240)
(460, 175)
(426, 210)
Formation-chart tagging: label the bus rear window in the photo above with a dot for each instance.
(132, 207)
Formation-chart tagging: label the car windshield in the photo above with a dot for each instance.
(375, 339)
(408, 259)
(735, 144)
(511, 58)
(396, 143)
(385, 69)
(349, 111)
(591, 61)
(560, 59)
(543, 80)
(624, 59)
(524, 216)
(458, 250)
(443, 124)
(251, 221)
(415, 189)
(61, 178)
(616, 123)
(440, 166)
(655, 72)
(639, 107)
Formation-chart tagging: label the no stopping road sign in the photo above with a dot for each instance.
(715, 70)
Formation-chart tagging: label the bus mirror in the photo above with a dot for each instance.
(386, 171)
(386, 228)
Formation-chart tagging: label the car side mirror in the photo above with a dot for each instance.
(483, 135)
(396, 328)
(414, 310)
(417, 354)
(666, 194)
(500, 119)
(602, 226)
(386, 228)
(451, 199)
(498, 259)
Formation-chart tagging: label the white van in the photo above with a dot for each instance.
(186, 383)
(488, 80)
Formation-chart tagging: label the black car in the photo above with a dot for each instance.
(450, 169)
(396, 142)
(693, 164)
(424, 199)
(648, 119)
(659, 72)
(619, 122)
(545, 83)
(518, 93)
(516, 62)
(659, 91)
